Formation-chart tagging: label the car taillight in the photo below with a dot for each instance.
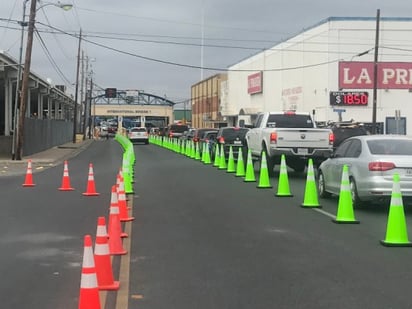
(381, 166)
(273, 137)
(221, 140)
(331, 138)
(289, 113)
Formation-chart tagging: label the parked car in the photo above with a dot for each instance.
(209, 138)
(198, 133)
(344, 130)
(176, 130)
(187, 135)
(138, 134)
(232, 136)
(372, 160)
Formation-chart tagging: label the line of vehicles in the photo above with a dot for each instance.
(372, 159)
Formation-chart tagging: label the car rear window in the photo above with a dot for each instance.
(400, 147)
(138, 130)
(290, 121)
(178, 128)
(233, 133)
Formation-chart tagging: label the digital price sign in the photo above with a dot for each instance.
(349, 98)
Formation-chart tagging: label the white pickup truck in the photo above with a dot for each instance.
(290, 133)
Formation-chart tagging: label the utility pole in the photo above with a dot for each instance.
(91, 121)
(25, 82)
(77, 90)
(375, 75)
(17, 97)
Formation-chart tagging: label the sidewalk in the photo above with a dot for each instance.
(44, 159)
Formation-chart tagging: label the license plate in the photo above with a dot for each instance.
(237, 142)
(302, 151)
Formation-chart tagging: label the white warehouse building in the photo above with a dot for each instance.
(328, 70)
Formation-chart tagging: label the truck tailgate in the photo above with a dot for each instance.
(309, 138)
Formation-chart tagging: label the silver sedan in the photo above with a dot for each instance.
(372, 160)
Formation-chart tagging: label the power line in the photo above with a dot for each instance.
(52, 61)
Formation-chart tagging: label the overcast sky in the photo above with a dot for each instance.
(156, 45)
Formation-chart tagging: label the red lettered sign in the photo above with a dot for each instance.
(359, 75)
(254, 83)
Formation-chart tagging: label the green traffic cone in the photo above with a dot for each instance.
(240, 166)
(222, 163)
(250, 171)
(202, 156)
(231, 162)
(283, 184)
(197, 152)
(207, 154)
(192, 150)
(311, 193)
(396, 230)
(216, 161)
(264, 173)
(345, 206)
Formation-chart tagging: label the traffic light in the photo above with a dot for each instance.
(110, 92)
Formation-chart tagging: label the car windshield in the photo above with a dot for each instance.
(396, 147)
(138, 130)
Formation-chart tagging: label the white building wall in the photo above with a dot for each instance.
(300, 72)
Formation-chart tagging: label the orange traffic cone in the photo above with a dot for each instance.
(28, 182)
(89, 292)
(66, 179)
(102, 259)
(115, 240)
(123, 211)
(114, 208)
(91, 187)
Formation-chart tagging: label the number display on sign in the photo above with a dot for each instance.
(345, 98)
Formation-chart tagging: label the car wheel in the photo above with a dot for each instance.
(356, 202)
(321, 186)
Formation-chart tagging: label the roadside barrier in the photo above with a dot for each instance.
(91, 186)
(345, 212)
(250, 172)
(240, 166)
(231, 162)
(89, 292)
(28, 181)
(396, 230)
(283, 184)
(66, 186)
(264, 174)
(311, 193)
(102, 259)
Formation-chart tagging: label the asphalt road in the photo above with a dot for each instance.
(202, 238)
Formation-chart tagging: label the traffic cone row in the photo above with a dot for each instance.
(97, 270)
